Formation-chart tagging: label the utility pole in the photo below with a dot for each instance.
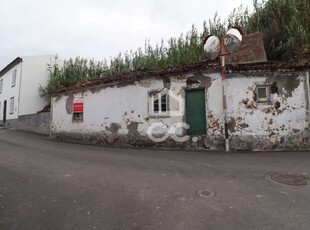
(213, 48)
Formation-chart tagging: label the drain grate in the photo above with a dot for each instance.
(289, 179)
(206, 193)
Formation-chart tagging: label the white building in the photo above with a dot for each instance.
(19, 88)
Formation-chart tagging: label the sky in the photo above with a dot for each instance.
(98, 28)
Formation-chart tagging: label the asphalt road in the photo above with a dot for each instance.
(53, 185)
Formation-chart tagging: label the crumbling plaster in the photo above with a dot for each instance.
(120, 114)
(281, 123)
(116, 112)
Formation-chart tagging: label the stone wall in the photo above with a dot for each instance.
(37, 123)
(10, 123)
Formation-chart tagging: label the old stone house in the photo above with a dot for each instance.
(267, 107)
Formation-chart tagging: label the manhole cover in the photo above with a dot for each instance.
(206, 194)
(289, 179)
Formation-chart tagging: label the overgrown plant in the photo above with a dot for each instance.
(72, 72)
(284, 25)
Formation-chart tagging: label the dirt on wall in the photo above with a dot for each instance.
(69, 103)
(286, 83)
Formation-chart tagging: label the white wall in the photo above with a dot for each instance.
(125, 109)
(34, 74)
(112, 105)
(8, 91)
(115, 110)
(291, 115)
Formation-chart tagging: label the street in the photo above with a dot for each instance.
(46, 184)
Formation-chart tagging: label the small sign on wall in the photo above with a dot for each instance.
(78, 105)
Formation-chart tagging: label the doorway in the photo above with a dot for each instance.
(4, 112)
(196, 112)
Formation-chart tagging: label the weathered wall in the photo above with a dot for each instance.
(37, 123)
(11, 123)
(120, 114)
(281, 123)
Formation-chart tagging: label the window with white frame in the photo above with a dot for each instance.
(14, 78)
(263, 93)
(159, 103)
(11, 105)
(1, 85)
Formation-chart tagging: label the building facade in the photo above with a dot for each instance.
(267, 108)
(19, 88)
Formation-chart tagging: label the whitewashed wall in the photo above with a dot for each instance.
(124, 110)
(110, 108)
(258, 126)
(8, 91)
(34, 75)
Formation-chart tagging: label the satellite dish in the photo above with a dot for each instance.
(212, 47)
(232, 40)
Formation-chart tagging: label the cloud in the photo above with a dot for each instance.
(97, 28)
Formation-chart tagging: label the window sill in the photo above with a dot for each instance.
(264, 103)
(159, 116)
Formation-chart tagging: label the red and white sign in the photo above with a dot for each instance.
(78, 106)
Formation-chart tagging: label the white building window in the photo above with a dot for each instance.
(263, 93)
(14, 78)
(159, 103)
(1, 85)
(12, 105)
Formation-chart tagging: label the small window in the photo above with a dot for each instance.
(263, 93)
(12, 105)
(160, 103)
(14, 78)
(1, 85)
(77, 117)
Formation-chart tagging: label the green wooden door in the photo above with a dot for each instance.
(196, 112)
